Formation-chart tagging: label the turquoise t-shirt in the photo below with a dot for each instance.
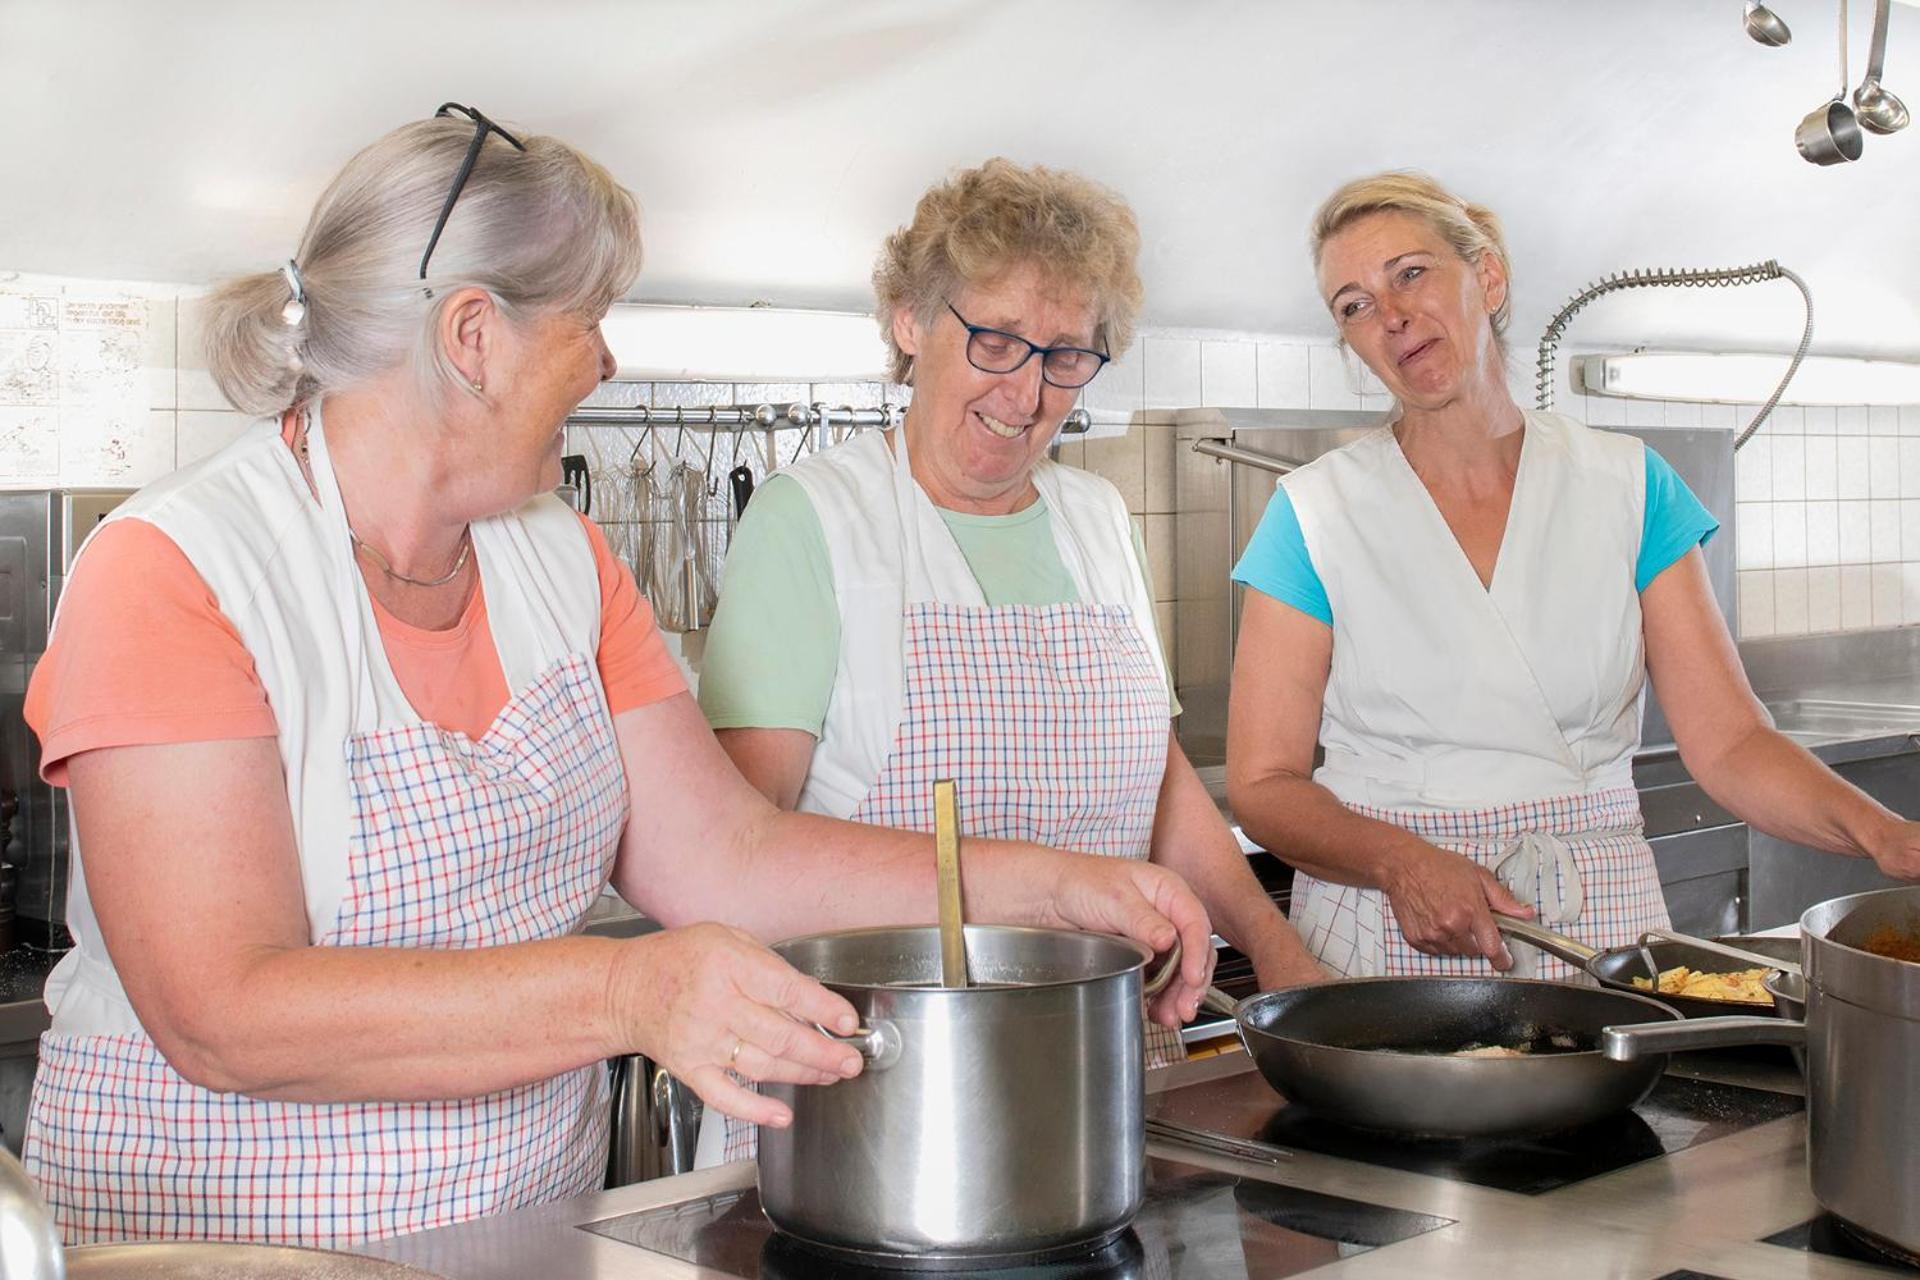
(1276, 563)
(773, 649)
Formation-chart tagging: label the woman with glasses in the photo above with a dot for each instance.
(943, 601)
(359, 720)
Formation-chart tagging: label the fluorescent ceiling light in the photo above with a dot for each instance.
(744, 344)
(1750, 379)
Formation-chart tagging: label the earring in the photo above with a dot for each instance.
(477, 388)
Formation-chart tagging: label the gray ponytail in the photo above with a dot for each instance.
(542, 230)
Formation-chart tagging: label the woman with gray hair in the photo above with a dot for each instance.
(358, 721)
(943, 601)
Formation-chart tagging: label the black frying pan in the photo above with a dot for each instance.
(1617, 967)
(1376, 1053)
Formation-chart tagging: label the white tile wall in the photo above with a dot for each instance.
(1828, 500)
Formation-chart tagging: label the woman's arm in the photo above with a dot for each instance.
(199, 896)
(1190, 837)
(1730, 746)
(775, 761)
(703, 844)
(1442, 901)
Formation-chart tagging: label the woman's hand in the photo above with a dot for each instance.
(1148, 904)
(706, 999)
(1445, 903)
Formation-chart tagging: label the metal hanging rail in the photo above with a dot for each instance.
(795, 415)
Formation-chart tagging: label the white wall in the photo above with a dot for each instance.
(1828, 499)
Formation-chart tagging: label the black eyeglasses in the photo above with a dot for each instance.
(481, 128)
(997, 351)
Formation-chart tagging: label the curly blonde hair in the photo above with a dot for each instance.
(1470, 229)
(979, 223)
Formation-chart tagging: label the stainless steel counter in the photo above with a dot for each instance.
(1704, 1209)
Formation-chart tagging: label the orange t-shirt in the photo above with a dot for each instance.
(143, 656)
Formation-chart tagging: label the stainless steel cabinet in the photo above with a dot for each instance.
(1788, 878)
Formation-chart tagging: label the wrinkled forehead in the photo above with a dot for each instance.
(1032, 293)
(1361, 250)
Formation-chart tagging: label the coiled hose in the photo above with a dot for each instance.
(1642, 278)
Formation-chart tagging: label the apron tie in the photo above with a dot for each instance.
(1539, 868)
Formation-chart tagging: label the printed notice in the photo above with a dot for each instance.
(73, 393)
(29, 445)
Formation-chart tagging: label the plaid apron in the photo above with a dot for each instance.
(1582, 862)
(454, 842)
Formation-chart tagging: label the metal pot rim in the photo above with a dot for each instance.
(1665, 1011)
(1142, 957)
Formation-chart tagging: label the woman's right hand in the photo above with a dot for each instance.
(1444, 903)
(706, 999)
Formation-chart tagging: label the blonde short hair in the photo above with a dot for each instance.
(1470, 229)
(541, 230)
(980, 223)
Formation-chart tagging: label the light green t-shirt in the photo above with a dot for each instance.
(774, 645)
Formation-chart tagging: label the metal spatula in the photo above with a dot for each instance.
(946, 848)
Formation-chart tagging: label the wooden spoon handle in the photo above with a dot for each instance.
(946, 847)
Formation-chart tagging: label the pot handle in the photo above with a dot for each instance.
(1219, 1002)
(879, 1043)
(1571, 950)
(1168, 967)
(1625, 1044)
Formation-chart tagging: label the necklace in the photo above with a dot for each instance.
(373, 552)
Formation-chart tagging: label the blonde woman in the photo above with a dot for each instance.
(359, 720)
(944, 601)
(1463, 608)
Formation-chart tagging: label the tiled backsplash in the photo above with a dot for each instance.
(1828, 500)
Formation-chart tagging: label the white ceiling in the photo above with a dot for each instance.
(773, 143)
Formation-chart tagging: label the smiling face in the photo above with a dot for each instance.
(976, 436)
(1419, 315)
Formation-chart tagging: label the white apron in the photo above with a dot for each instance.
(1052, 719)
(1496, 722)
(410, 835)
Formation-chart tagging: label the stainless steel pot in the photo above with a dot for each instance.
(997, 1121)
(1862, 1042)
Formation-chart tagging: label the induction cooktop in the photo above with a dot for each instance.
(1197, 1224)
(1678, 1114)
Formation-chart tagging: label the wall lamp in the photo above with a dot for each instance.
(1750, 379)
(744, 344)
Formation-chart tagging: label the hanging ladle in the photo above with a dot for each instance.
(1830, 134)
(1878, 109)
(1765, 26)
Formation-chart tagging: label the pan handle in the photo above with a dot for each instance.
(1168, 967)
(1554, 944)
(1625, 1044)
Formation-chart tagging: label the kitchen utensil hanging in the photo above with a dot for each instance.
(1765, 26)
(1878, 110)
(1830, 134)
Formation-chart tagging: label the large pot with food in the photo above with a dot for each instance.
(1861, 957)
(1001, 1120)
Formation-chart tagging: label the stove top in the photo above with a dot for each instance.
(1828, 1235)
(1678, 1114)
(1197, 1224)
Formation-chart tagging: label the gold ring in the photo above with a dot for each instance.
(734, 1057)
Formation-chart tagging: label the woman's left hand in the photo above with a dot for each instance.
(1897, 852)
(1148, 904)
